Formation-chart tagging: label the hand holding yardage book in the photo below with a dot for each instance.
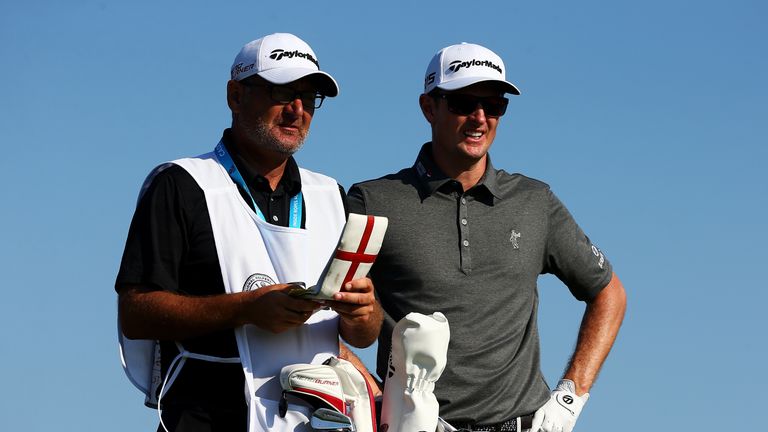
(357, 250)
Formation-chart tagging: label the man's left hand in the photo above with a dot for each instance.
(355, 301)
(359, 312)
(562, 409)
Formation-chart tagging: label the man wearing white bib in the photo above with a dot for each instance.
(205, 312)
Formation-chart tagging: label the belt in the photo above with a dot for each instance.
(517, 424)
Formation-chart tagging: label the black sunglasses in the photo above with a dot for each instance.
(464, 104)
(285, 95)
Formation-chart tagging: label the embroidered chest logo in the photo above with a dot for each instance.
(513, 238)
(256, 281)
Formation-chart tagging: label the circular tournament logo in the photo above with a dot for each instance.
(256, 281)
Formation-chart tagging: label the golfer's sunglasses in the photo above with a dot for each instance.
(464, 104)
(285, 95)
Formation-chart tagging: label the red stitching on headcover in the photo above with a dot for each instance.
(360, 249)
(355, 257)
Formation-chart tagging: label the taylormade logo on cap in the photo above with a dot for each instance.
(459, 66)
(278, 54)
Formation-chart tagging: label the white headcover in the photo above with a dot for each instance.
(417, 359)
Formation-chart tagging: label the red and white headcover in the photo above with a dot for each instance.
(357, 250)
(318, 385)
(335, 384)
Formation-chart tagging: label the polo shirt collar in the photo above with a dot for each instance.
(489, 179)
(431, 178)
(291, 180)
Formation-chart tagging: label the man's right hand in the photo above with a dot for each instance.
(562, 409)
(275, 310)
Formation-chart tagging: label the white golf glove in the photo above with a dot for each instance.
(562, 409)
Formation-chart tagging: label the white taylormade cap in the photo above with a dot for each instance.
(462, 65)
(281, 58)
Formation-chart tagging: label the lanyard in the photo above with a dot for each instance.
(226, 160)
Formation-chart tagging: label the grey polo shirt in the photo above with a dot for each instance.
(475, 256)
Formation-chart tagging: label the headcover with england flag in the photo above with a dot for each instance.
(358, 248)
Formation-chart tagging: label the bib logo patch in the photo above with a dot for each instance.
(256, 281)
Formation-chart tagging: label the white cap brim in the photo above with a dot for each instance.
(460, 83)
(328, 85)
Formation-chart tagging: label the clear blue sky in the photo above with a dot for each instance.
(648, 119)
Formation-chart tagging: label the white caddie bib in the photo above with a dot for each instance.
(253, 253)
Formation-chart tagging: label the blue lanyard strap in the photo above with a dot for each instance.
(226, 161)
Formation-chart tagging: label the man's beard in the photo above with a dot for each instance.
(258, 132)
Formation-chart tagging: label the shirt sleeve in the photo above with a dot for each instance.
(156, 239)
(355, 201)
(571, 256)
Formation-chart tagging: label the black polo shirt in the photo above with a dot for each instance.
(475, 256)
(171, 247)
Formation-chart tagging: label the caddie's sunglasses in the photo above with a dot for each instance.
(464, 104)
(285, 95)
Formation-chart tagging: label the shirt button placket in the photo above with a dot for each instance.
(466, 256)
(274, 209)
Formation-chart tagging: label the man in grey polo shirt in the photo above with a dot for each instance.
(469, 240)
